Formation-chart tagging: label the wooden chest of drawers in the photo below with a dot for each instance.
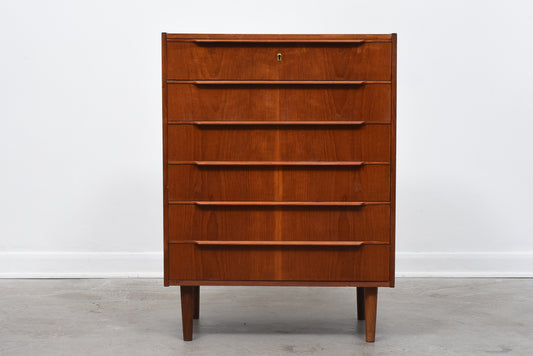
(279, 163)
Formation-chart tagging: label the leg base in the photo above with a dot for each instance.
(187, 311)
(360, 303)
(371, 298)
(196, 314)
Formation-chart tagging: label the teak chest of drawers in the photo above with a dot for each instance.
(279, 163)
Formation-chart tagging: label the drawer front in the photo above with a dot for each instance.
(302, 143)
(193, 183)
(273, 263)
(363, 61)
(369, 103)
(241, 223)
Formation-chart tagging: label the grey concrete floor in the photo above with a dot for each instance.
(141, 317)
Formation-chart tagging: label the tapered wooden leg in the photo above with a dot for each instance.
(371, 299)
(360, 303)
(187, 311)
(196, 314)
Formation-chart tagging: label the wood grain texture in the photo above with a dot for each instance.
(366, 143)
(365, 263)
(365, 183)
(279, 172)
(262, 37)
(316, 283)
(190, 222)
(367, 61)
(187, 311)
(369, 103)
(371, 303)
(165, 155)
(392, 263)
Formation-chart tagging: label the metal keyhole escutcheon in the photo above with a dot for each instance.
(279, 57)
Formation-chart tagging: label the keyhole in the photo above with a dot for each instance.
(279, 57)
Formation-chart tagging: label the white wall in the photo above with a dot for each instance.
(80, 130)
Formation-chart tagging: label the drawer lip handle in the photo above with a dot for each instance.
(278, 163)
(273, 123)
(208, 82)
(277, 203)
(252, 41)
(282, 82)
(255, 203)
(278, 243)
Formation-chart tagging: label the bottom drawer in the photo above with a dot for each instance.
(189, 261)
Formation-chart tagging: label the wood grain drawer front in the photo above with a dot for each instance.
(302, 143)
(193, 183)
(256, 223)
(362, 61)
(275, 263)
(369, 103)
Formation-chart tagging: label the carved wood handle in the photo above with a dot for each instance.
(277, 203)
(275, 123)
(279, 82)
(278, 243)
(278, 163)
(252, 41)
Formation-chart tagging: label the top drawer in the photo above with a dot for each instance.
(219, 60)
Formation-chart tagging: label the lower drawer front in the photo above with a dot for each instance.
(250, 143)
(274, 263)
(304, 223)
(366, 183)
